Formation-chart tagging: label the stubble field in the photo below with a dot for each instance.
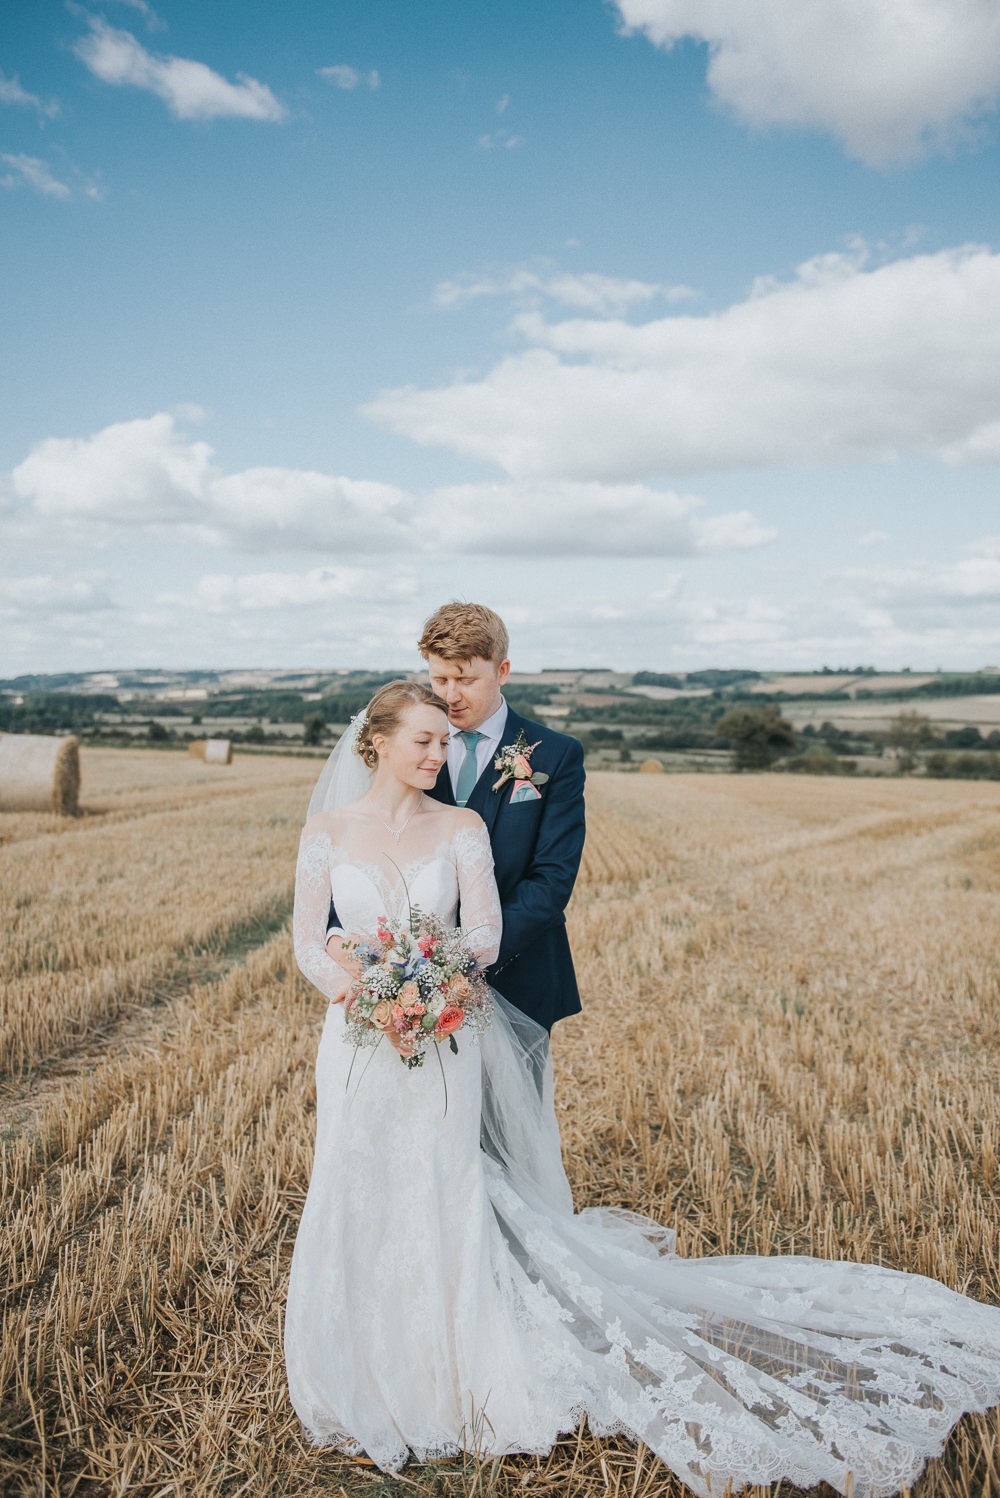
(791, 1042)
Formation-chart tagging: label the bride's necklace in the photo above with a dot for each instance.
(397, 832)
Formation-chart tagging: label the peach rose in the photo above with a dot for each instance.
(382, 1014)
(398, 1018)
(451, 1019)
(408, 995)
(521, 768)
(459, 989)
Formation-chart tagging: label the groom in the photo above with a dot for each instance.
(536, 824)
(535, 818)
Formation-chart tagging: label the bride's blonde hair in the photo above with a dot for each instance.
(387, 710)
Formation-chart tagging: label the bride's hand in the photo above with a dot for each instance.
(404, 1047)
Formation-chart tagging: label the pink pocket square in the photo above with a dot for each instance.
(524, 791)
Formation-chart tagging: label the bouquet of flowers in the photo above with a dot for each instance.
(420, 981)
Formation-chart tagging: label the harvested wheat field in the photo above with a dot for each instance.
(790, 1043)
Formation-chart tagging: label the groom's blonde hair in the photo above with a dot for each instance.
(459, 631)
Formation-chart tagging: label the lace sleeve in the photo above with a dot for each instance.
(310, 915)
(480, 902)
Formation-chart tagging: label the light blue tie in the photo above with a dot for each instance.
(468, 772)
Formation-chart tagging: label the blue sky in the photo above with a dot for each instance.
(676, 341)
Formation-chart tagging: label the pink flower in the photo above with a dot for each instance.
(408, 995)
(521, 767)
(427, 945)
(399, 1021)
(459, 989)
(451, 1019)
(382, 1014)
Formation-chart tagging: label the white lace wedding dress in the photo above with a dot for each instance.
(444, 1295)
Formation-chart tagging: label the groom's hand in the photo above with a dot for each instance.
(336, 950)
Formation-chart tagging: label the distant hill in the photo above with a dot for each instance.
(620, 716)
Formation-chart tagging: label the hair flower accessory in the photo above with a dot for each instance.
(514, 763)
(358, 724)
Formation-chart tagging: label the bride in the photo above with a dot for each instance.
(445, 1296)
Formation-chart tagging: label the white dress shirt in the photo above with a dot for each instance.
(492, 733)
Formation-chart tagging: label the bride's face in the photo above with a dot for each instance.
(416, 750)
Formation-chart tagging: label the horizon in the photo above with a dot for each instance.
(118, 672)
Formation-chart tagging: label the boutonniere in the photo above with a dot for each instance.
(514, 763)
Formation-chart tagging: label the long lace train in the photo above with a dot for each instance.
(444, 1294)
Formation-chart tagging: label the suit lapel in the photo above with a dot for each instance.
(484, 798)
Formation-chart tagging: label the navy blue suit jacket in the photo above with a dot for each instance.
(537, 846)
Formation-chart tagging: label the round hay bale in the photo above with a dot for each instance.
(39, 772)
(651, 767)
(218, 752)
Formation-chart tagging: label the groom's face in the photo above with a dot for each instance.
(470, 688)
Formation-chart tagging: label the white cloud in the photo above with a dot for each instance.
(737, 531)
(886, 79)
(500, 140)
(503, 103)
(31, 171)
(220, 592)
(134, 472)
(672, 626)
(191, 90)
(190, 411)
(973, 581)
(147, 476)
(342, 75)
(11, 92)
(153, 21)
(580, 519)
(982, 445)
(295, 508)
(920, 613)
(735, 624)
(843, 362)
(602, 294)
(924, 615)
(872, 538)
(588, 290)
(42, 595)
